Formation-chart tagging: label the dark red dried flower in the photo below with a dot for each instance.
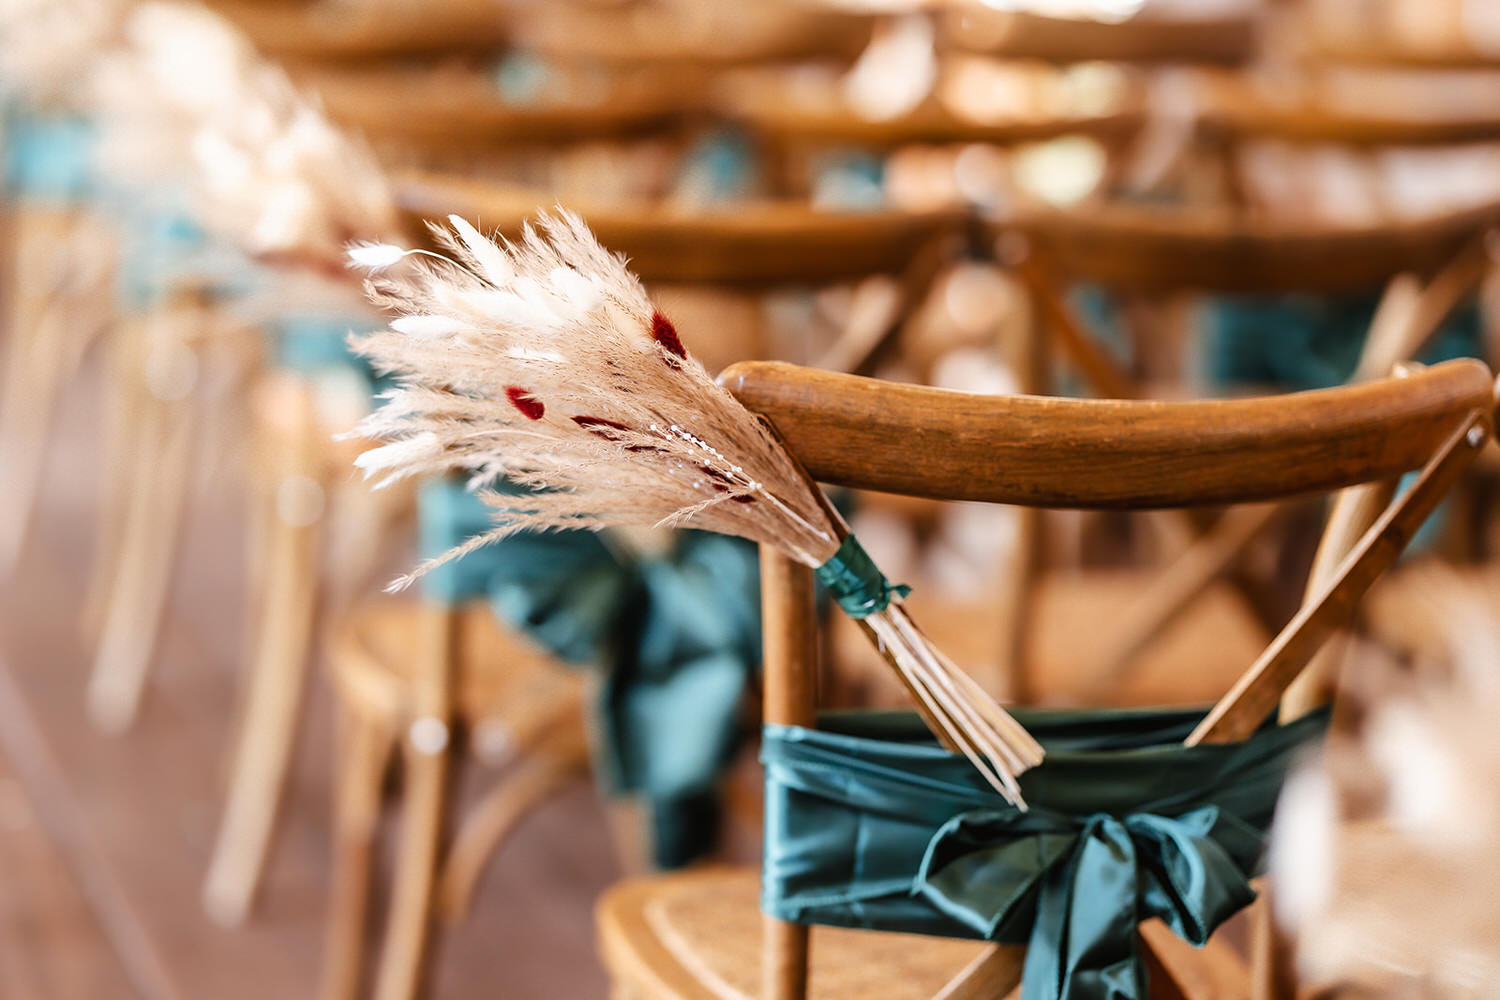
(721, 484)
(589, 423)
(665, 334)
(602, 427)
(531, 408)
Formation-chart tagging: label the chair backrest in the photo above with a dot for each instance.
(367, 33)
(1223, 40)
(1083, 453)
(1140, 249)
(442, 112)
(759, 244)
(1043, 451)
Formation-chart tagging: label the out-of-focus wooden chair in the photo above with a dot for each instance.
(1427, 267)
(1146, 38)
(431, 681)
(57, 292)
(697, 934)
(761, 244)
(434, 112)
(425, 676)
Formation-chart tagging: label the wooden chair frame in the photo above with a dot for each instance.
(1107, 455)
(1146, 253)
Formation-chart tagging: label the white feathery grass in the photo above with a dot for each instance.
(186, 100)
(546, 362)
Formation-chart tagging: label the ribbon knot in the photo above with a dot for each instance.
(856, 583)
(1076, 888)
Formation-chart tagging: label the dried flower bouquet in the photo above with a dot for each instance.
(544, 361)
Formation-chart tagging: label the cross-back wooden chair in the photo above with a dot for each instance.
(1150, 39)
(56, 288)
(429, 682)
(322, 30)
(697, 934)
(412, 112)
(1145, 254)
(691, 38)
(760, 245)
(797, 125)
(1306, 111)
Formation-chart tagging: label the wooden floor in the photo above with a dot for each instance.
(104, 841)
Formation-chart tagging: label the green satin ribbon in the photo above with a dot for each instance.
(856, 583)
(677, 635)
(870, 824)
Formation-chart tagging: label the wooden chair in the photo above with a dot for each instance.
(1152, 256)
(759, 245)
(423, 673)
(434, 681)
(58, 303)
(315, 541)
(412, 112)
(364, 33)
(697, 935)
(797, 124)
(1227, 40)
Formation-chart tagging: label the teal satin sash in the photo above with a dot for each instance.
(677, 636)
(869, 823)
(319, 342)
(1310, 342)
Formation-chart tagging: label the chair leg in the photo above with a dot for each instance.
(784, 960)
(410, 926)
(36, 371)
(121, 446)
(536, 778)
(148, 550)
(277, 678)
(365, 751)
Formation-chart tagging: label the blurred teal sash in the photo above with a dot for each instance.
(677, 635)
(870, 824)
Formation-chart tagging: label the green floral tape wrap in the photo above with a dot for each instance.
(856, 583)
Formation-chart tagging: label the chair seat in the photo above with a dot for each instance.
(697, 936)
(503, 684)
(1191, 662)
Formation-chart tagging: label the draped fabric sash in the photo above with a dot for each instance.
(677, 634)
(870, 824)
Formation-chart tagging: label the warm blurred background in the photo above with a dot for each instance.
(230, 766)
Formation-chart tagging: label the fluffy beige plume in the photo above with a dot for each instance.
(185, 96)
(545, 362)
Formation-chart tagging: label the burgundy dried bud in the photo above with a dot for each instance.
(589, 423)
(531, 408)
(722, 483)
(665, 334)
(601, 427)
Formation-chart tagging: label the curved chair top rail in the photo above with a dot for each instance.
(1224, 41)
(1376, 48)
(770, 111)
(752, 244)
(1108, 454)
(718, 35)
(1237, 109)
(1136, 248)
(360, 32)
(457, 109)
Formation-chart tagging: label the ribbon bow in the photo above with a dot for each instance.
(1082, 885)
